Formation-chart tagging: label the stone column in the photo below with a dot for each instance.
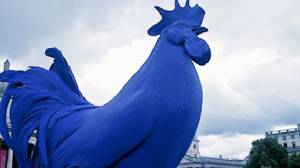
(9, 159)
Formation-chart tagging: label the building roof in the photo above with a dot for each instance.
(284, 131)
(211, 160)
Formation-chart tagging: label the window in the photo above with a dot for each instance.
(275, 137)
(195, 146)
(283, 137)
(285, 145)
(294, 144)
(292, 136)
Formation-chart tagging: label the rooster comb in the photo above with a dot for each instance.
(190, 15)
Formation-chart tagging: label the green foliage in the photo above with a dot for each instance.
(294, 161)
(267, 153)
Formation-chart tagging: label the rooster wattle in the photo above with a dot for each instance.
(149, 123)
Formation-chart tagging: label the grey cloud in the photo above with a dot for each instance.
(245, 24)
(266, 95)
(25, 24)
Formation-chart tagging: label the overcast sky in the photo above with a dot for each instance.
(251, 85)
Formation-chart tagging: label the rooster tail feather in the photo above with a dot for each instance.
(31, 99)
(62, 69)
(3, 126)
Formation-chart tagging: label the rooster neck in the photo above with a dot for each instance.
(168, 63)
(168, 54)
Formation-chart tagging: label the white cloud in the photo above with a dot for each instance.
(227, 145)
(103, 79)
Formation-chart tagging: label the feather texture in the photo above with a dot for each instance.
(36, 95)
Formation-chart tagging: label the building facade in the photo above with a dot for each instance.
(193, 150)
(6, 65)
(210, 162)
(288, 138)
(2, 84)
(192, 159)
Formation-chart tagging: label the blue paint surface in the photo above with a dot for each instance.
(150, 123)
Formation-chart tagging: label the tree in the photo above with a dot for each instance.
(267, 153)
(294, 161)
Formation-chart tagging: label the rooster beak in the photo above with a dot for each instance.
(199, 30)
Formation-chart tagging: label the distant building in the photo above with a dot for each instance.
(3, 84)
(210, 162)
(6, 155)
(194, 151)
(6, 65)
(192, 159)
(288, 138)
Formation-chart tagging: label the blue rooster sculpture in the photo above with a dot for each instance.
(150, 123)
